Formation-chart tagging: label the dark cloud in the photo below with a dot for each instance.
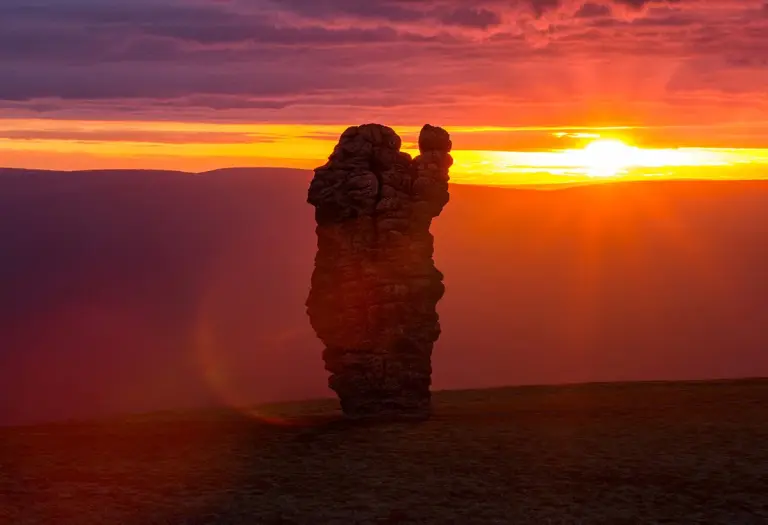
(590, 10)
(390, 10)
(163, 81)
(271, 58)
(471, 17)
(670, 20)
(256, 31)
(639, 4)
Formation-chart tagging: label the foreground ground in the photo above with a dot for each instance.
(613, 454)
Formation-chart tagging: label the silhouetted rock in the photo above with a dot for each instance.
(375, 286)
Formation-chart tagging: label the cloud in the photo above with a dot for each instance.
(135, 136)
(505, 62)
(590, 10)
(471, 17)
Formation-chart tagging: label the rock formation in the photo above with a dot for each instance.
(375, 286)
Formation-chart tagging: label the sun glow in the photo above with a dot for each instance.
(607, 157)
(612, 158)
(483, 155)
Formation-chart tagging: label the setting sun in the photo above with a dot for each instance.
(483, 155)
(608, 157)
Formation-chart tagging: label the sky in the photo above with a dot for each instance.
(203, 84)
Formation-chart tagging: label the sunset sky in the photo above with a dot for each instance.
(522, 85)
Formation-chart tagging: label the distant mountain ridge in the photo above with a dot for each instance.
(220, 171)
(275, 171)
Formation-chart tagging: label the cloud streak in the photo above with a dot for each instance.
(523, 62)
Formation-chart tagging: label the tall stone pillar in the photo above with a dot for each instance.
(375, 287)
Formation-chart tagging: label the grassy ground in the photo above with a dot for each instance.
(612, 454)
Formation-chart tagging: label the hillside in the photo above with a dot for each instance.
(598, 454)
(135, 291)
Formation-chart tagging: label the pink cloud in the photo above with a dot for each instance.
(525, 62)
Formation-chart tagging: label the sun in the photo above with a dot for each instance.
(607, 157)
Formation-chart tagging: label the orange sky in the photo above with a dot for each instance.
(484, 155)
(201, 84)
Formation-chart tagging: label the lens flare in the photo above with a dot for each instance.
(235, 343)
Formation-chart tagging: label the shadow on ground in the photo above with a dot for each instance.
(613, 454)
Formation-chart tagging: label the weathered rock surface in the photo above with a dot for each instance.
(375, 286)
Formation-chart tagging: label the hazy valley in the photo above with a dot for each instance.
(135, 291)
